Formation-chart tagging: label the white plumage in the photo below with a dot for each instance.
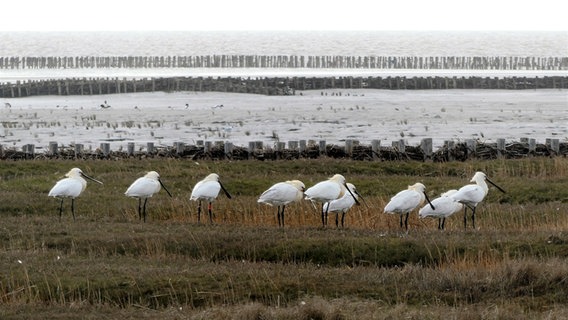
(406, 201)
(445, 206)
(144, 188)
(282, 194)
(472, 194)
(207, 190)
(342, 204)
(70, 187)
(328, 190)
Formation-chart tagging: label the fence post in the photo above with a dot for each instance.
(150, 147)
(375, 148)
(450, 146)
(322, 147)
(532, 146)
(180, 147)
(130, 148)
(349, 147)
(426, 146)
(251, 148)
(53, 148)
(500, 147)
(207, 146)
(555, 145)
(471, 146)
(105, 147)
(228, 148)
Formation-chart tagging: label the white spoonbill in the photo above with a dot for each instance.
(282, 194)
(70, 187)
(472, 194)
(406, 201)
(342, 204)
(328, 190)
(144, 188)
(445, 206)
(207, 190)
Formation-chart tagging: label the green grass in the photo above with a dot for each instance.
(108, 264)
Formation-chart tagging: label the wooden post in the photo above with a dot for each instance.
(375, 147)
(555, 145)
(450, 146)
(349, 147)
(105, 148)
(426, 146)
(251, 148)
(29, 150)
(78, 149)
(322, 147)
(303, 145)
(130, 149)
(293, 145)
(180, 147)
(471, 146)
(228, 148)
(207, 146)
(53, 148)
(500, 147)
(532, 146)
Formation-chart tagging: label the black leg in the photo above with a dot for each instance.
(342, 219)
(406, 221)
(199, 211)
(337, 219)
(439, 223)
(473, 217)
(139, 208)
(443, 223)
(210, 213)
(282, 213)
(60, 208)
(322, 215)
(73, 207)
(401, 221)
(144, 213)
(465, 217)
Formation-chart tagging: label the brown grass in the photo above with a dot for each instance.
(108, 264)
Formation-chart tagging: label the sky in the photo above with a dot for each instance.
(204, 15)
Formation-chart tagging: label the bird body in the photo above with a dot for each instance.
(406, 201)
(207, 190)
(328, 190)
(472, 194)
(445, 206)
(282, 194)
(70, 187)
(144, 188)
(342, 205)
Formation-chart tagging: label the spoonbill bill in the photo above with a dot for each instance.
(328, 190)
(407, 200)
(144, 188)
(445, 206)
(472, 194)
(342, 204)
(207, 190)
(282, 194)
(70, 187)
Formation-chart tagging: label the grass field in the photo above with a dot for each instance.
(108, 264)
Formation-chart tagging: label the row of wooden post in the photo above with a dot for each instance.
(426, 146)
(269, 85)
(288, 61)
